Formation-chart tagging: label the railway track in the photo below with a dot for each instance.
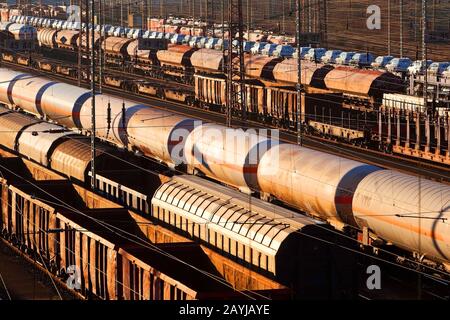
(403, 164)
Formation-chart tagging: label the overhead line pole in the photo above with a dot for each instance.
(80, 36)
(236, 74)
(100, 47)
(425, 98)
(389, 26)
(299, 74)
(401, 27)
(93, 126)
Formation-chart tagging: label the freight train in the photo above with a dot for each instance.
(182, 62)
(339, 103)
(332, 95)
(383, 203)
(272, 240)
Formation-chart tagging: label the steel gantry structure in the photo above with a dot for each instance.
(236, 97)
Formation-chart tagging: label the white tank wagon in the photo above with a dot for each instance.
(27, 93)
(159, 134)
(270, 238)
(152, 131)
(62, 103)
(410, 214)
(108, 117)
(226, 154)
(315, 182)
(8, 78)
(40, 96)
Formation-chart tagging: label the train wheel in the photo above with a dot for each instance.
(13, 240)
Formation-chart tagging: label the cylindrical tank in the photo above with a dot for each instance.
(7, 80)
(410, 213)
(27, 93)
(158, 134)
(226, 154)
(313, 181)
(116, 46)
(135, 53)
(67, 39)
(62, 102)
(113, 132)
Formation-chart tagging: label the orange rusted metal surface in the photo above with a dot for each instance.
(349, 79)
(207, 59)
(286, 71)
(116, 45)
(11, 125)
(175, 54)
(259, 66)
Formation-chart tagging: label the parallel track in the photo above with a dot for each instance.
(403, 164)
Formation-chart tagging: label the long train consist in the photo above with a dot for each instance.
(402, 209)
(272, 240)
(342, 103)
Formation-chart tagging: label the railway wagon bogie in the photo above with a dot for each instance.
(150, 89)
(24, 61)
(177, 95)
(45, 66)
(8, 57)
